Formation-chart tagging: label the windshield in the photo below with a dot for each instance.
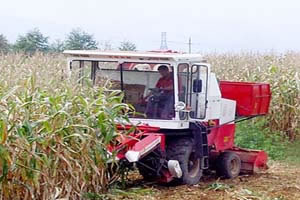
(146, 86)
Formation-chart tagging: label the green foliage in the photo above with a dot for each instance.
(127, 46)
(254, 135)
(32, 42)
(114, 193)
(219, 186)
(77, 39)
(4, 45)
(292, 152)
(57, 46)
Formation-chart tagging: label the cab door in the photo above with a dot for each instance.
(198, 90)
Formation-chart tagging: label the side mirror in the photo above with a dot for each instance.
(197, 85)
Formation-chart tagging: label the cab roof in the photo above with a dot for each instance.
(133, 55)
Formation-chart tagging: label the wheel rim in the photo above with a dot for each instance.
(193, 165)
(234, 166)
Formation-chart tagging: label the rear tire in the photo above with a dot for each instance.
(228, 165)
(182, 149)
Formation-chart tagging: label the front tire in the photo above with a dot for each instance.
(182, 149)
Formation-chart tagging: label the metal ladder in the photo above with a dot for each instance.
(204, 148)
(201, 143)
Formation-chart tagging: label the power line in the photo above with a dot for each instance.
(184, 43)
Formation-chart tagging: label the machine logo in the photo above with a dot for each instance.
(226, 139)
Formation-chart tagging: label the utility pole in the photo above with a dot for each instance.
(190, 45)
(163, 44)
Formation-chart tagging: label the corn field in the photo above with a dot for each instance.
(53, 131)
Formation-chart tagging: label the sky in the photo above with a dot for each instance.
(212, 25)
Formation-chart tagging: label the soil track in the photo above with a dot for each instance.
(279, 182)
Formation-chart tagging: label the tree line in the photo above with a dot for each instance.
(77, 39)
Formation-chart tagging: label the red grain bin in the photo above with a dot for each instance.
(251, 98)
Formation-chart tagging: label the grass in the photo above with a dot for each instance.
(254, 135)
(292, 152)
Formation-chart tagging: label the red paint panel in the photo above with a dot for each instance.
(261, 160)
(252, 160)
(224, 138)
(166, 178)
(144, 128)
(211, 137)
(251, 98)
(162, 138)
(145, 142)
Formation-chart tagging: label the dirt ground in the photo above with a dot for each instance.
(280, 182)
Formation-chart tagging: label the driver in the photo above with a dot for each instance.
(166, 80)
(161, 104)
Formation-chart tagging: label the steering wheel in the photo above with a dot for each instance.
(157, 94)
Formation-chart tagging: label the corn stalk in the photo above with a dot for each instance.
(54, 132)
